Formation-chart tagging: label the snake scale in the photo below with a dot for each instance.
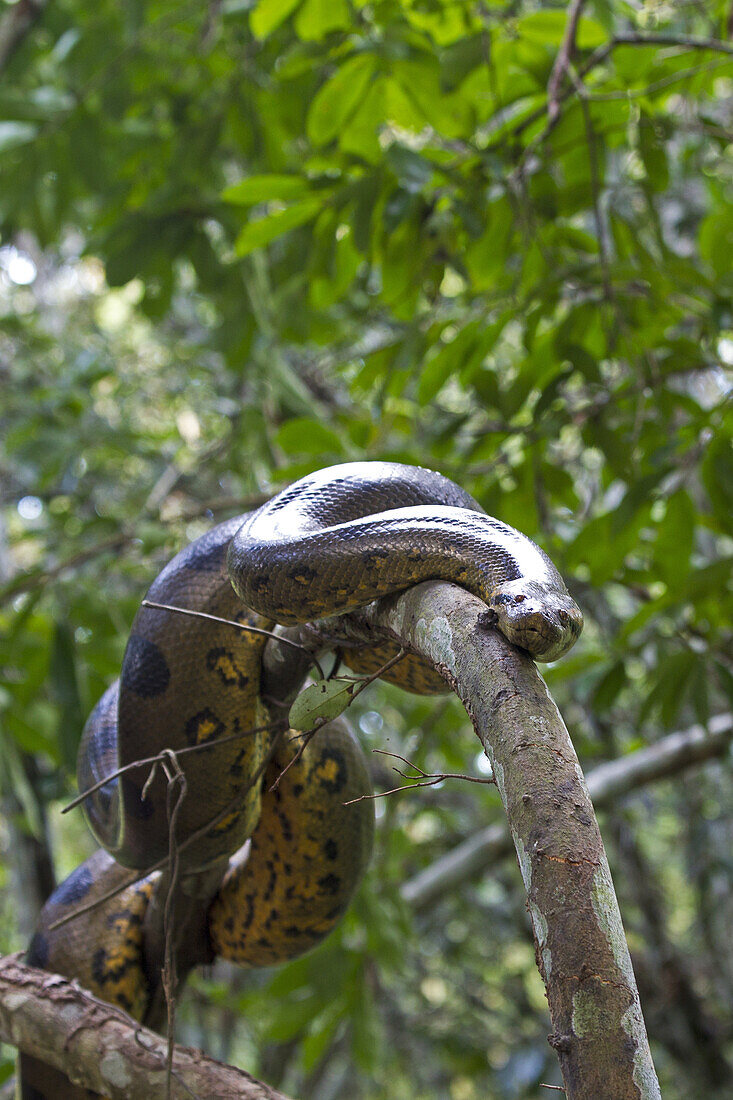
(332, 542)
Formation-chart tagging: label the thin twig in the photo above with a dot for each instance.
(269, 727)
(563, 59)
(307, 737)
(685, 41)
(598, 57)
(428, 779)
(238, 626)
(232, 805)
(177, 783)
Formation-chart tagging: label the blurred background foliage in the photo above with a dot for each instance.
(244, 240)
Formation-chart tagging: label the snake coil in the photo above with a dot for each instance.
(332, 542)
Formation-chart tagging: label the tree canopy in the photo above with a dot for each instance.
(247, 240)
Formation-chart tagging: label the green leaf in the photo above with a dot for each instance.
(337, 100)
(265, 189)
(303, 435)
(269, 14)
(321, 702)
(317, 18)
(717, 476)
(450, 358)
(716, 242)
(653, 154)
(413, 171)
(675, 539)
(487, 259)
(548, 29)
(609, 686)
(257, 234)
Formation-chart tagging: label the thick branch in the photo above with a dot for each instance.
(606, 783)
(103, 1049)
(598, 1029)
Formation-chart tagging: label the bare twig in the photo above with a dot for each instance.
(428, 779)
(175, 794)
(237, 626)
(363, 683)
(606, 784)
(269, 727)
(138, 876)
(563, 59)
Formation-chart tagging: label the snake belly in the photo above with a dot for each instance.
(330, 543)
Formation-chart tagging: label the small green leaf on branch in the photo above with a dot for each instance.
(321, 702)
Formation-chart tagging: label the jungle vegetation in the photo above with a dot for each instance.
(243, 240)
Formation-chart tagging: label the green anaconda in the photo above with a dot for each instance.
(331, 542)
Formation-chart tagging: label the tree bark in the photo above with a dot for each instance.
(606, 783)
(102, 1048)
(598, 1028)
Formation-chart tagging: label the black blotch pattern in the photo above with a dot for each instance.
(38, 953)
(204, 717)
(371, 560)
(127, 917)
(271, 881)
(99, 966)
(144, 669)
(222, 661)
(330, 884)
(331, 849)
(285, 826)
(333, 786)
(302, 574)
(74, 888)
(236, 768)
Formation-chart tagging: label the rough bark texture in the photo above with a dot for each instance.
(598, 1029)
(606, 783)
(103, 1049)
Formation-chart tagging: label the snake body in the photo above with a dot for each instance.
(332, 542)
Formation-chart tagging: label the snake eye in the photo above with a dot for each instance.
(564, 617)
(519, 599)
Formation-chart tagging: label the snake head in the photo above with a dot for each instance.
(543, 619)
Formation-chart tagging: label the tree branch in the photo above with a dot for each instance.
(598, 1029)
(606, 783)
(563, 59)
(102, 1048)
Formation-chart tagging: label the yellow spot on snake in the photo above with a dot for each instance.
(328, 771)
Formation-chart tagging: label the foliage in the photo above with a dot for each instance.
(271, 235)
